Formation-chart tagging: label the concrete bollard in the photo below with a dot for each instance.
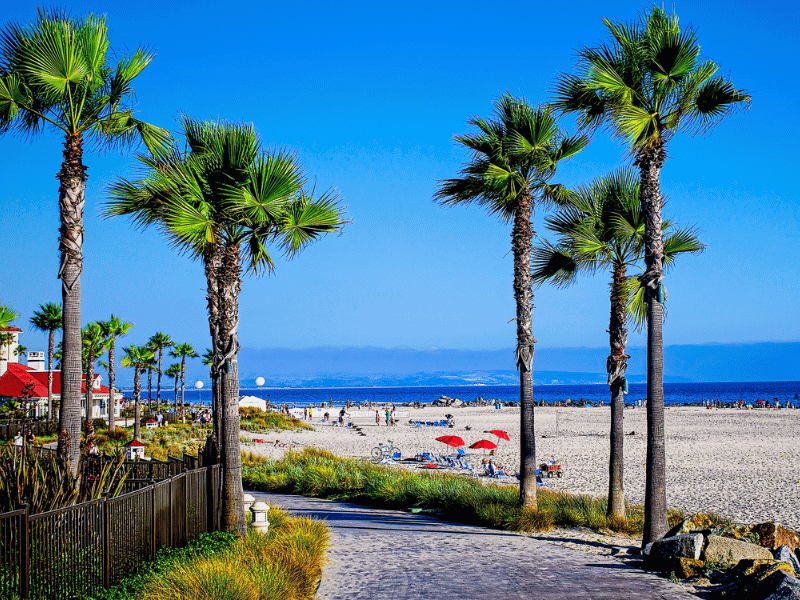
(259, 511)
(247, 500)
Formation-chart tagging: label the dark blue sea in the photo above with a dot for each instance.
(674, 393)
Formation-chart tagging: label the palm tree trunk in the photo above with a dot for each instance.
(89, 387)
(50, 356)
(213, 263)
(176, 388)
(616, 365)
(183, 383)
(112, 400)
(521, 243)
(72, 185)
(137, 391)
(150, 390)
(229, 285)
(158, 385)
(650, 160)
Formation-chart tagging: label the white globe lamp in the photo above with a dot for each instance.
(260, 381)
(198, 385)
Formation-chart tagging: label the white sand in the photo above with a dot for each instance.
(742, 464)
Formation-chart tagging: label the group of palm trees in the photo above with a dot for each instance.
(218, 196)
(222, 199)
(643, 85)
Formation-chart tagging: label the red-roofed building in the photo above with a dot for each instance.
(18, 377)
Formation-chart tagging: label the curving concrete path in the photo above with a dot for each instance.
(386, 554)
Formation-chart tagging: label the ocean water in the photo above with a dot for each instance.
(674, 393)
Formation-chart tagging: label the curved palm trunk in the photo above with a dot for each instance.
(616, 366)
(72, 179)
(50, 356)
(650, 160)
(112, 399)
(137, 391)
(229, 285)
(521, 243)
(176, 389)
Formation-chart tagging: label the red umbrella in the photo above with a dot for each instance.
(451, 440)
(500, 434)
(485, 444)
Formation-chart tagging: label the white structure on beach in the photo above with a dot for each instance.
(252, 402)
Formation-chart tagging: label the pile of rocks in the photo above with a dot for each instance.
(448, 401)
(756, 562)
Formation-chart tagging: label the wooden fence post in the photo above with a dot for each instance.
(25, 557)
(171, 516)
(153, 519)
(106, 543)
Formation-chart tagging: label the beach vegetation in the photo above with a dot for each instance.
(256, 420)
(57, 73)
(645, 84)
(315, 472)
(513, 156)
(284, 563)
(601, 227)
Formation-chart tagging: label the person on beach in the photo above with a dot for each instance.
(342, 413)
(377, 418)
(305, 414)
(388, 416)
(310, 413)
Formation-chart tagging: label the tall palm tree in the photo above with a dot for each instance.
(48, 318)
(602, 228)
(93, 348)
(513, 157)
(175, 372)
(113, 329)
(644, 85)
(183, 351)
(223, 203)
(160, 341)
(57, 73)
(138, 358)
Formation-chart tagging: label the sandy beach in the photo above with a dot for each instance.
(742, 464)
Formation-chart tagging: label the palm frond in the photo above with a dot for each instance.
(552, 264)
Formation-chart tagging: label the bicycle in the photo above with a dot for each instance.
(382, 451)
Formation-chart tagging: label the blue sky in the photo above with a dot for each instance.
(369, 95)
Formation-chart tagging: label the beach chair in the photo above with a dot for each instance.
(396, 456)
(461, 453)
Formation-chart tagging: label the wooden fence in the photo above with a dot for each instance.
(72, 552)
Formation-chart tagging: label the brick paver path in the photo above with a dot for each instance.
(387, 554)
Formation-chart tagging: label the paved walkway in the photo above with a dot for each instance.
(386, 554)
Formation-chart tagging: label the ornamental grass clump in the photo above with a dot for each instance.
(285, 563)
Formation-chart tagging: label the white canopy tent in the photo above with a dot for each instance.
(252, 402)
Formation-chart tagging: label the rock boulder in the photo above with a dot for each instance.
(728, 551)
(785, 554)
(773, 536)
(680, 546)
(695, 523)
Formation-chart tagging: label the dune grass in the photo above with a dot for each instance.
(284, 564)
(258, 421)
(320, 473)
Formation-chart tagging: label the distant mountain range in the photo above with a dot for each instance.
(383, 367)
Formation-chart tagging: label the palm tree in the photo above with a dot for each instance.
(7, 315)
(113, 329)
(160, 341)
(174, 371)
(48, 318)
(139, 358)
(183, 351)
(56, 72)
(513, 157)
(93, 348)
(602, 227)
(222, 203)
(644, 85)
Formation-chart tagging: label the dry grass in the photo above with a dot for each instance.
(285, 564)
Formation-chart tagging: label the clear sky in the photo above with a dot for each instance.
(369, 95)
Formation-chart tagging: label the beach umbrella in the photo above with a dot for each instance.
(500, 434)
(451, 440)
(485, 444)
